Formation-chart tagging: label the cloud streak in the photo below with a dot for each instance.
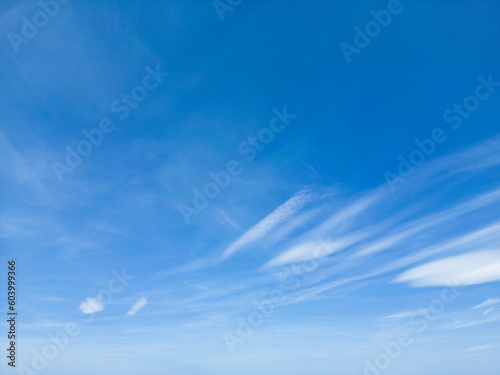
(280, 214)
(488, 302)
(467, 269)
(306, 249)
(138, 306)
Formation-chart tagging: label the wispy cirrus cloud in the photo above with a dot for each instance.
(488, 310)
(429, 221)
(138, 306)
(310, 245)
(481, 347)
(488, 302)
(404, 315)
(484, 237)
(271, 221)
(466, 269)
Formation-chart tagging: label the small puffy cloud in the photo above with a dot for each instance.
(91, 306)
(467, 269)
(138, 306)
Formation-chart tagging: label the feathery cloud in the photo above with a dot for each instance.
(404, 315)
(488, 302)
(138, 306)
(466, 269)
(280, 214)
(478, 348)
(309, 249)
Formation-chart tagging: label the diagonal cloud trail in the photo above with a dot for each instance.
(280, 214)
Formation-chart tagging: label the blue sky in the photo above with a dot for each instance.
(331, 232)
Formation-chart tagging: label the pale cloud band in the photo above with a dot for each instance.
(280, 214)
(138, 306)
(466, 269)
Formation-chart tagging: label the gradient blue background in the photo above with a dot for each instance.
(119, 208)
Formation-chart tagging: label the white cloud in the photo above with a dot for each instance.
(349, 212)
(485, 237)
(91, 306)
(306, 251)
(432, 220)
(487, 311)
(474, 159)
(138, 306)
(462, 324)
(466, 269)
(482, 347)
(307, 248)
(488, 302)
(404, 315)
(293, 226)
(387, 242)
(287, 209)
(319, 248)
